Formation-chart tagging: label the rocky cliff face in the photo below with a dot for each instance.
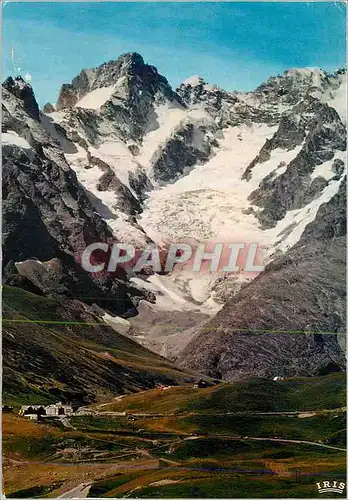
(316, 127)
(46, 214)
(19, 88)
(124, 91)
(123, 156)
(227, 108)
(129, 71)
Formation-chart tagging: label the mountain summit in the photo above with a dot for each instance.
(128, 76)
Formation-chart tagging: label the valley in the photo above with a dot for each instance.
(180, 441)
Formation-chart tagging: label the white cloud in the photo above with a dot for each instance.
(27, 77)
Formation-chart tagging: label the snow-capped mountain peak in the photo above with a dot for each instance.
(151, 159)
(194, 81)
(128, 75)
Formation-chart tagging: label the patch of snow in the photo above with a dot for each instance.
(169, 296)
(209, 201)
(11, 137)
(193, 81)
(165, 120)
(120, 325)
(96, 98)
(165, 299)
(196, 287)
(122, 228)
(339, 99)
(300, 218)
(156, 280)
(278, 155)
(325, 169)
(117, 155)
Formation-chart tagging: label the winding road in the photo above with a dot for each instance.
(79, 491)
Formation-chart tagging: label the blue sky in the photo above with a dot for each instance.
(235, 45)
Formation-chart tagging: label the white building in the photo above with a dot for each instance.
(57, 409)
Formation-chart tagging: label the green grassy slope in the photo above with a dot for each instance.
(298, 394)
(50, 351)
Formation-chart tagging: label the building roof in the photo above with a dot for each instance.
(52, 405)
(34, 407)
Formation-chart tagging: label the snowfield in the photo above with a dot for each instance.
(210, 202)
(96, 98)
(11, 137)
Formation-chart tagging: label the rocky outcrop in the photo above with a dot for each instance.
(331, 220)
(185, 148)
(130, 67)
(319, 127)
(48, 108)
(227, 108)
(23, 91)
(70, 93)
(140, 183)
(196, 90)
(291, 133)
(292, 86)
(125, 201)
